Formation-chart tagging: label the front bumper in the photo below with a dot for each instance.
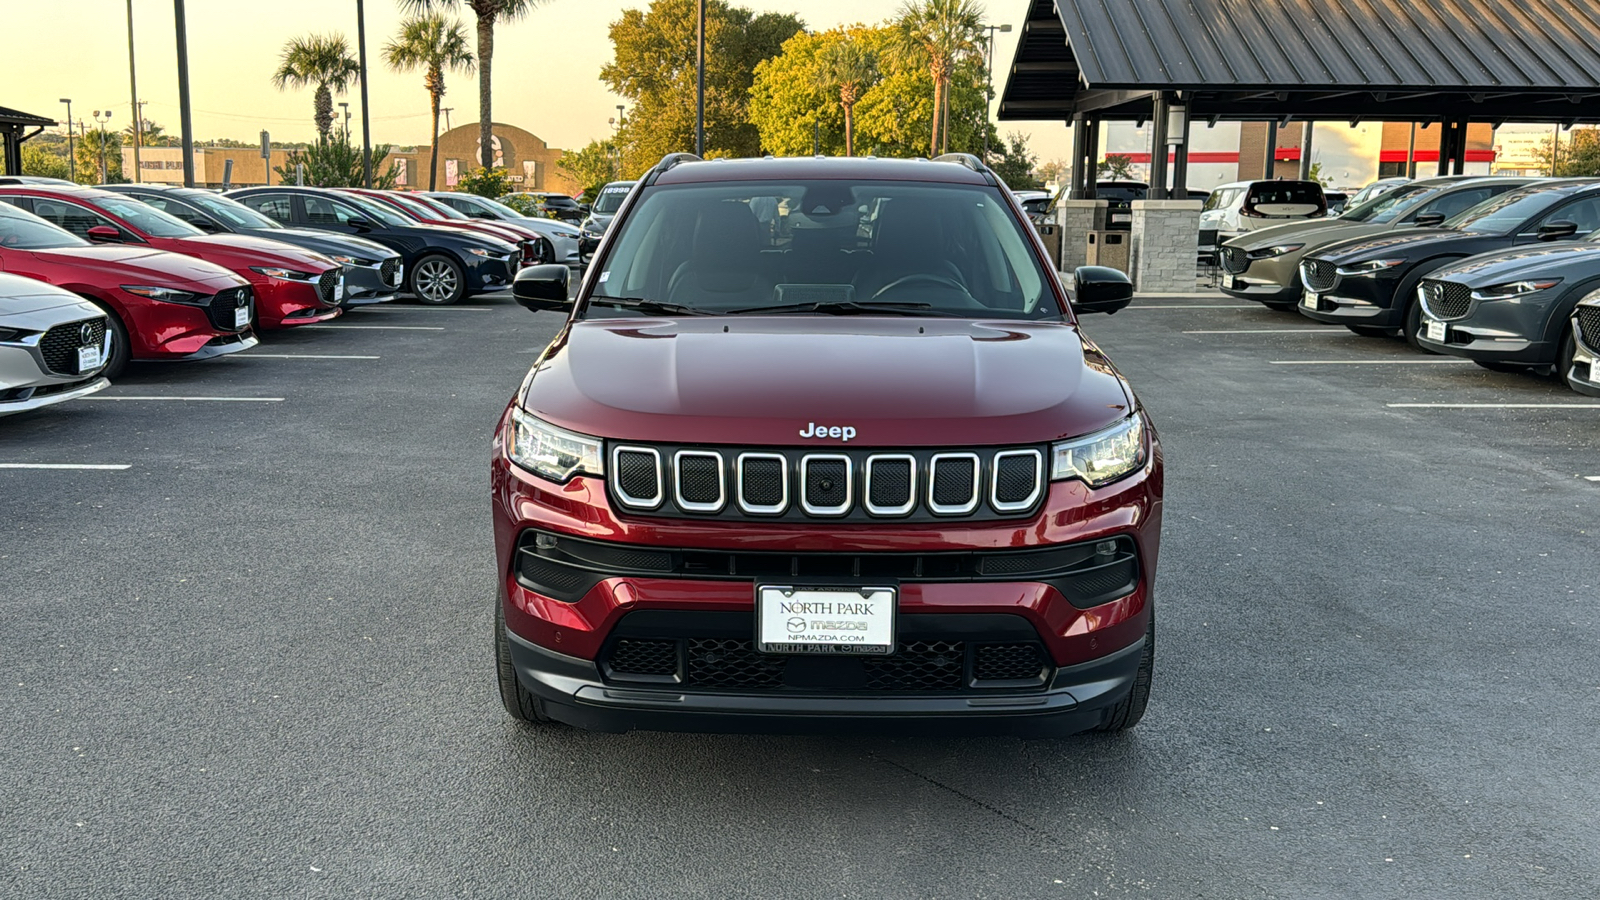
(1511, 331)
(1358, 300)
(490, 273)
(20, 400)
(1584, 376)
(286, 304)
(1271, 280)
(365, 285)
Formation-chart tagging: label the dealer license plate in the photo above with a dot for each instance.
(241, 316)
(825, 619)
(1437, 331)
(338, 291)
(1235, 283)
(1310, 301)
(88, 358)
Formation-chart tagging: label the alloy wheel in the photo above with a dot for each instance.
(436, 281)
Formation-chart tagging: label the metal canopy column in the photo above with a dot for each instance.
(1180, 164)
(1305, 150)
(1158, 146)
(1079, 140)
(1271, 170)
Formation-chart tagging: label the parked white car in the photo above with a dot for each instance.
(1234, 209)
(53, 345)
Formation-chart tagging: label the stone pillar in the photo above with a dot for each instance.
(1074, 220)
(1166, 237)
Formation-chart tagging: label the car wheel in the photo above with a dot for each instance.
(519, 701)
(438, 280)
(1564, 359)
(1130, 710)
(1413, 327)
(1374, 331)
(121, 350)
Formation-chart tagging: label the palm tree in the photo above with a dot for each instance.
(488, 12)
(939, 34)
(435, 45)
(321, 60)
(849, 68)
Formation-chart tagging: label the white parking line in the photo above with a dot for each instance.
(1494, 405)
(380, 308)
(372, 327)
(1278, 331)
(1372, 362)
(212, 399)
(297, 356)
(1591, 478)
(1196, 306)
(74, 466)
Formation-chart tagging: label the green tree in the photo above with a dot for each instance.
(323, 61)
(1577, 155)
(653, 65)
(1115, 167)
(38, 159)
(434, 45)
(939, 34)
(1014, 164)
(1319, 176)
(89, 156)
(1052, 171)
(593, 166)
(336, 163)
(849, 67)
(485, 182)
(488, 12)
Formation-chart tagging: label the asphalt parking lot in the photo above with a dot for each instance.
(256, 660)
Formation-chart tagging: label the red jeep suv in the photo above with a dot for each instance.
(820, 447)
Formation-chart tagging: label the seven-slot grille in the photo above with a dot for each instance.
(1235, 260)
(848, 484)
(221, 307)
(389, 271)
(59, 346)
(1589, 326)
(1446, 299)
(327, 285)
(1319, 275)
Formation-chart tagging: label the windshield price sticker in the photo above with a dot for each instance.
(825, 619)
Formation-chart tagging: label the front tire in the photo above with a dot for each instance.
(1130, 710)
(121, 350)
(1565, 359)
(438, 280)
(519, 702)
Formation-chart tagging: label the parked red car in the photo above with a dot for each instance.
(161, 306)
(291, 286)
(533, 247)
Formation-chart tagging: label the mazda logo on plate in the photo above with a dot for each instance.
(797, 625)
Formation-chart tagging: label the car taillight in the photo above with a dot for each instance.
(1249, 209)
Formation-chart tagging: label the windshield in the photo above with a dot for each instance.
(1385, 207)
(231, 211)
(383, 214)
(611, 197)
(21, 230)
(420, 210)
(147, 218)
(1499, 215)
(495, 206)
(952, 250)
(439, 209)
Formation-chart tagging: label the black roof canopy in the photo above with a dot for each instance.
(1408, 60)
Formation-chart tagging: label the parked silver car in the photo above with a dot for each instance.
(563, 236)
(53, 345)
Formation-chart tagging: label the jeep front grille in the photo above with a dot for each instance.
(846, 484)
(1319, 275)
(1446, 299)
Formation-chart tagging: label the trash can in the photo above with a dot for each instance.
(1109, 249)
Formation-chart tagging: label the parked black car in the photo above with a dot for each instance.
(1370, 284)
(443, 264)
(605, 207)
(1511, 310)
(372, 272)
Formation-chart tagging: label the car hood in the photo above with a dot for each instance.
(140, 265)
(325, 243)
(899, 382)
(1412, 240)
(1318, 232)
(1560, 260)
(248, 250)
(21, 296)
(467, 236)
(547, 227)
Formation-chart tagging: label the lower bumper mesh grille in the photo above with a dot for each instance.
(1589, 326)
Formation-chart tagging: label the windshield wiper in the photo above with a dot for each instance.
(655, 307)
(841, 307)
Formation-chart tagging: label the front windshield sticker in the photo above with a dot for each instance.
(603, 277)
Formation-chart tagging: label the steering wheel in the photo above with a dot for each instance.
(929, 278)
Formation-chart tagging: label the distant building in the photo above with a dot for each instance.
(1525, 154)
(528, 160)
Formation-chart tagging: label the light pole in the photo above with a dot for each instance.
(366, 123)
(72, 161)
(700, 85)
(346, 107)
(133, 92)
(446, 110)
(102, 123)
(988, 75)
(185, 121)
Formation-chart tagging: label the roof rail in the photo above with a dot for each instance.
(668, 162)
(965, 159)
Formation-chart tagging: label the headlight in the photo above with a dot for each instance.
(1370, 266)
(279, 272)
(354, 261)
(166, 295)
(1101, 458)
(1514, 289)
(479, 251)
(1279, 250)
(551, 452)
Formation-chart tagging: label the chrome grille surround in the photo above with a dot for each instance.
(677, 482)
(954, 509)
(994, 480)
(1445, 299)
(805, 482)
(1234, 260)
(629, 500)
(1319, 275)
(762, 509)
(911, 492)
(1588, 326)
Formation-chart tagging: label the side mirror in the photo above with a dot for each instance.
(361, 224)
(105, 234)
(1097, 289)
(1554, 231)
(543, 288)
(1429, 220)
